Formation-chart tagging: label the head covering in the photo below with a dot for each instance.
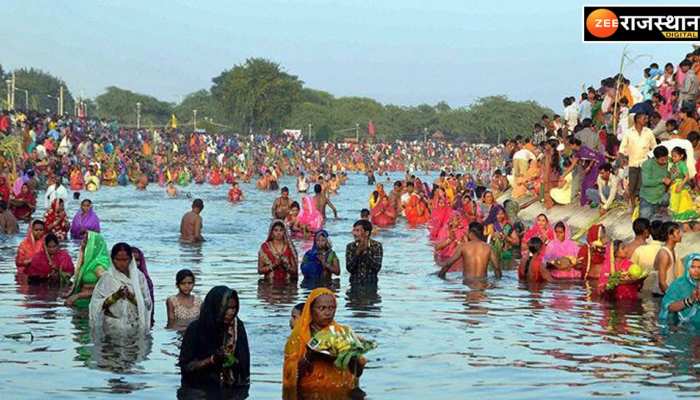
(141, 265)
(547, 234)
(311, 267)
(557, 249)
(28, 248)
(95, 255)
(492, 218)
(681, 288)
(84, 222)
(286, 238)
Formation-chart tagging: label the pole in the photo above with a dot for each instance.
(9, 88)
(309, 132)
(425, 135)
(26, 100)
(14, 87)
(194, 112)
(357, 132)
(138, 115)
(60, 99)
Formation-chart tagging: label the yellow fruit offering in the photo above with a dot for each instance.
(635, 271)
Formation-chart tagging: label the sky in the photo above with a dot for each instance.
(403, 52)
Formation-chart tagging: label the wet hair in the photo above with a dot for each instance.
(534, 246)
(284, 189)
(76, 195)
(364, 213)
(668, 228)
(88, 201)
(656, 230)
(366, 225)
(38, 222)
(51, 238)
(318, 188)
(119, 247)
(298, 307)
(641, 225)
(182, 274)
(680, 151)
(477, 229)
(660, 151)
(198, 203)
(295, 204)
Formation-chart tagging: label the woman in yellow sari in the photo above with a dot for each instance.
(308, 371)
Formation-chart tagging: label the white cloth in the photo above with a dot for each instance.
(523, 154)
(53, 193)
(127, 316)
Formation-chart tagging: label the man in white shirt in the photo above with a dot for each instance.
(521, 161)
(637, 142)
(570, 114)
(607, 192)
(56, 191)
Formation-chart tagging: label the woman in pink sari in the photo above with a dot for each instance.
(448, 240)
(561, 254)
(541, 229)
(383, 214)
(309, 216)
(49, 263)
(617, 261)
(440, 212)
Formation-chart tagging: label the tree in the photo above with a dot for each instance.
(43, 89)
(120, 104)
(206, 105)
(257, 94)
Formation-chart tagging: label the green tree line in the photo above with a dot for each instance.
(259, 96)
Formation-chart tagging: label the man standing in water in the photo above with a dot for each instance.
(321, 201)
(363, 257)
(280, 208)
(475, 255)
(665, 262)
(191, 224)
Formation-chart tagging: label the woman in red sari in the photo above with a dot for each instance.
(416, 211)
(592, 254)
(23, 204)
(277, 258)
(56, 220)
(617, 260)
(541, 229)
(32, 243)
(50, 262)
(383, 213)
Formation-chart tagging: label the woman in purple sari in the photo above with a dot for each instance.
(590, 161)
(85, 220)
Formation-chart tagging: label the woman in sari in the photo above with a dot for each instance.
(416, 211)
(440, 212)
(562, 253)
(532, 268)
(140, 260)
(93, 262)
(277, 258)
(448, 240)
(383, 214)
(5, 189)
(50, 263)
(85, 220)
(592, 254)
(309, 216)
(32, 244)
(23, 204)
(487, 202)
(308, 371)
(121, 303)
(681, 302)
(617, 260)
(502, 235)
(541, 229)
(56, 220)
(214, 351)
(320, 262)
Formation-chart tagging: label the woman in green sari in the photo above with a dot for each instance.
(93, 262)
(681, 302)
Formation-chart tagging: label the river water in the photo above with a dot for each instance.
(437, 339)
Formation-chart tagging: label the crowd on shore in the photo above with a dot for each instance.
(618, 146)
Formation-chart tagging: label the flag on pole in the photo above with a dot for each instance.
(173, 121)
(370, 129)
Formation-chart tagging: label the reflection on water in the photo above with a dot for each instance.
(438, 339)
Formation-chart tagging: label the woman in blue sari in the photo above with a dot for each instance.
(681, 303)
(320, 262)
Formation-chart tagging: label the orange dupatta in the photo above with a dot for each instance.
(324, 376)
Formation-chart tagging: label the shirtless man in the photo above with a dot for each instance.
(191, 224)
(475, 254)
(322, 201)
(280, 208)
(302, 184)
(665, 262)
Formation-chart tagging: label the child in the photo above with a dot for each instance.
(296, 313)
(681, 206)
(183, 307)
(235, 194)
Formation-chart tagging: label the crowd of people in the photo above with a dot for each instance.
(617, 147)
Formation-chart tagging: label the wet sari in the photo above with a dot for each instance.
(57, 222)
(27, 249)
(627, 291)
(43, 265)
(324, 377)
(546, 234)
(383, 214)
(680, 289)
(269, 256)
(559, 249)
(141, 265)
(27, 198)
(592, 254)
(94, 261)
(311, 266)
(84, 222)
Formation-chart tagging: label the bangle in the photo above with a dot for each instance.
(687, 302)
